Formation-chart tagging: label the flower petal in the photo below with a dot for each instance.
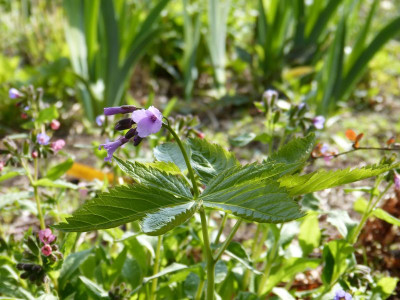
(147, 126)
(156, 112)
(138, 115)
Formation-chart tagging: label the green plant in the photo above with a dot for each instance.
(106, 40)
(162, 199)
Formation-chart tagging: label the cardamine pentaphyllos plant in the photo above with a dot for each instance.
(195, 176)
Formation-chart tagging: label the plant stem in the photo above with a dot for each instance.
(209, 257)
(186, 158)
(268, 266)
(356, 149)
(156, 268)
(221, 228)
(199, 289)
(256, 245)
(228, 240)
(32, 181)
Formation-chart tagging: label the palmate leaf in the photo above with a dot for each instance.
(252, 192)
(170, 152)
(322, 179)
(260, 201)
(208, 160)
(121, 205)
(162, 200)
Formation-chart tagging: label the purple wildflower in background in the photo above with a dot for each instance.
(13, 93)
(270, 94)
(100, 120)
(319, 122)
(342, 295)
(124, 109)
(42, 139)
(148, 121)
(46, 236)
(112, 146)
(396, 181)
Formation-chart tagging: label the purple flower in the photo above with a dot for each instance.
(270, 94)
(148, 121)
(124, 109)
(42, 139)
(13, 93)
(46, 236)
(46, 250)
(342, 295)
(112, 146)
(396, 181)
(318, 122)
(100, 120)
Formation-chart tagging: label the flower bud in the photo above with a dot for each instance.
(131, 133)
(55, 124)
(136, 140)
(46, 250)
(124, 124)
(24, 116)
(24, 275)
(35, 154)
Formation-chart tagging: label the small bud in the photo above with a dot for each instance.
(20, 266)
(54, 247)
(35, 154)
(59, 255)
(53, 258)
(24, 116)
(37, 268)
(136, 140)
(55, 124)
(24, 275)
(33, 277)
(131, 133)
(124, 124)
(46, 250)
(28, 267)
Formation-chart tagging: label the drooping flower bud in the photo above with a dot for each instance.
(124, 124)
(124, 109)
(136, 140)
(55, 124)
(112, 146)
(131, 133)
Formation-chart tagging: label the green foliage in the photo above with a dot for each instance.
(208, 160)
(106, 39)
(322, 179)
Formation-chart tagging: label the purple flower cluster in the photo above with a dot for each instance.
(148, 121)
(342, 295)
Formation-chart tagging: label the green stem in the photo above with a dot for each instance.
(209, 257)
(32, 181)
(199, 289)
(247, 274)
(228, 240)
(221, 228)
(186, 158)
(268, 266)
(156, 269)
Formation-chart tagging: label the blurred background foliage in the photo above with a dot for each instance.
(224, 52)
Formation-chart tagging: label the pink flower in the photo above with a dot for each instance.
(57, 145)
(396, 181)
(35, 154)
(46, 250)
(1, 165)
(55, 124)
(46, 236)
(148, 121)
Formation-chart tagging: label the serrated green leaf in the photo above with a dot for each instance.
(167, 218)
(260, 201)
(361, 205)
(208, 160)
(121, 205)
(297, 150)
(322, 179)
(167, 167)
(170, 152)
(159, 179)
